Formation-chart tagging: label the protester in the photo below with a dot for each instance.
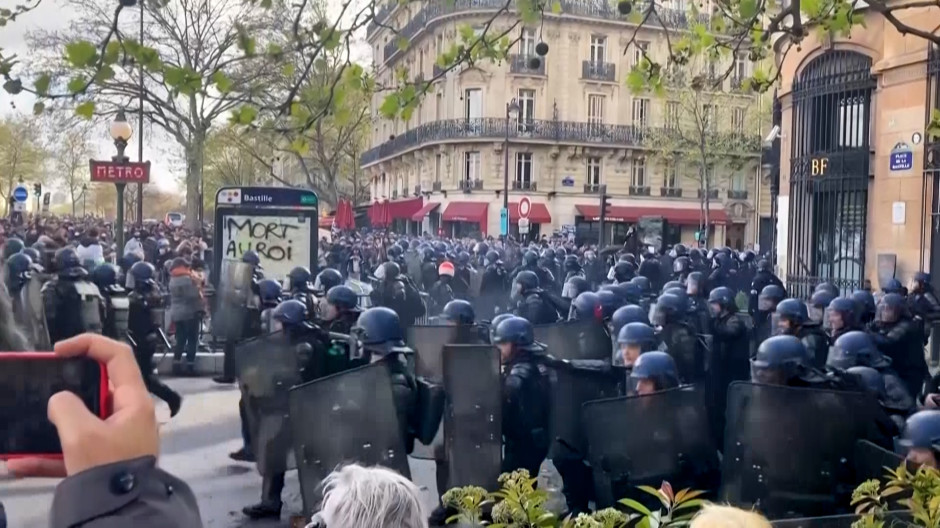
(185, 312)
(369, 497)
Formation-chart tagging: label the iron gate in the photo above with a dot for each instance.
(932, 168)
(829, 172)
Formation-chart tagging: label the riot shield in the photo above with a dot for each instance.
(648, 439)
(873, 461)
(574, 386)
(472, 420)
(428, 343)
(230, 317)
(791, 451)
(268, 366)
(476, 282)
(33, 314)
(121, 306)
(575, 340)
(347, 417)
(90, 306)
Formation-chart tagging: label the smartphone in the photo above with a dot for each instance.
(27, 381)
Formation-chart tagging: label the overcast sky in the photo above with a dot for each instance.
(164, 155)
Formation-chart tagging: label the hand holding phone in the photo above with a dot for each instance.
(88, 440)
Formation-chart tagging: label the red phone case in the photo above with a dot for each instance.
(105, 394)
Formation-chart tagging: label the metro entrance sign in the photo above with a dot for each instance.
(120, 172)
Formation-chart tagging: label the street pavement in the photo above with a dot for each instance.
(195, 447)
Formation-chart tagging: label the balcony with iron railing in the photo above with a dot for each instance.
(737, 83)
(435, 12)
(436, 71)
(712, 194)
(470, 185)
(381, 15)
(737, 195)
(670, 192)
(521, 185)
(639, 190)
(598, 71)
(436, 186)
(395, 194)
(590, 188)
(523, 64)
(545, 130)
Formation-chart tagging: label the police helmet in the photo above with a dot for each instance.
(299, 279)
(379, 330)
(518, 332)
(680, 250)
(893, 286)
(459, 312)
(527, 280)
(270, 291)
(585, 307)
(637, 334)
(129, 259)
(625, 315)
(326, 279)
(143, 274)
(763, 265)
(782, 353)
(772, 294)
(624, 271)
(854, 349)
(792, 310)
(290, 312)
(495, 324)
(821, 299)
(681, 264)
(672, 284)
(629, 292)
(66, 259)
(575, 286)
(866, 303)
(491, 257)
(548, 254)
(163, 244)
(105, 276)
(530, 259)
(250, 257)
(34, 254)
(696, 278)
(843, 305)
(643, 283)
(571, 263)
(678, 291)
(723, 297)
(657, 366)
(12, 246)
(922, 430)
(18, 267)
(390, 271)
(609, 302)
(463, 258)
(342, 297)
(669, 307)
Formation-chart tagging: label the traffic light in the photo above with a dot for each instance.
(605, 206)
(37, 189)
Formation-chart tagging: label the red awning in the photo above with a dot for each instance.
(404, 208)
(325, 222)
(625, 213)
(466, 212)
(428, 207)
(538, 213)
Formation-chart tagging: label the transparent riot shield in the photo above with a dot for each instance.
(232, 295)
(91, 305)
(472, 420)
(791, 451)
(575, 340)
(268, 366)
(476, 282)
(33, 314)
(121, 310)
(644, 440)
(344, 418)
(574, 385)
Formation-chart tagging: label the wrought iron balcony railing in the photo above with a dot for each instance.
(737, 83)
(737, 195)
(518, 185)
(712, 194)
(434, 12)
(470, 185)
(436, 187)
(636, 190)
(436, 71)
(395, 194)
(381, 15)
(494, 128)
(599, 71)
(591, 188)
(671, 192)
(522, 64)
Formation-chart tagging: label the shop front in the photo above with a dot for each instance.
(464, 219)
(682, 225)
(396, 215)
(540, 221)
(428, 218)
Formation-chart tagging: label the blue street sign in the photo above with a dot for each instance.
(504, 221)
(902, 157)
(20, 194)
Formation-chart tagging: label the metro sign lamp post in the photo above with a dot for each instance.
(120, 170)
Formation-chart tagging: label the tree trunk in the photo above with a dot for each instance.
(194, 156)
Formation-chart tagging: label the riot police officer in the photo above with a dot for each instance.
(780, 360)
(573, 288)
(866, 306)
(586, 307)
(326, 279)
(526, 396)
(18, 271)
(634, 339)
(529, 303)
(856, 349)
(899, 338)
(767, 301)
(11, 247)
(792, 319)
(817, 305)
(397, 292)
(442, 292)
(729, 346)
(144, 332)
(623, 271)
(72, 303)
(115, 304)
(842, 317)
(921, 438)
(762, 278)
(493, 285)
(653, 372)
(681, 267)
(921, 300)
(678, 336)
(462, 276)
(300, 286)
(572, 268)
(270, 292)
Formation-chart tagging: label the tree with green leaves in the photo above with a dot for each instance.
(711, 130)
(233, 158)
(21, 155)
(71, 148)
